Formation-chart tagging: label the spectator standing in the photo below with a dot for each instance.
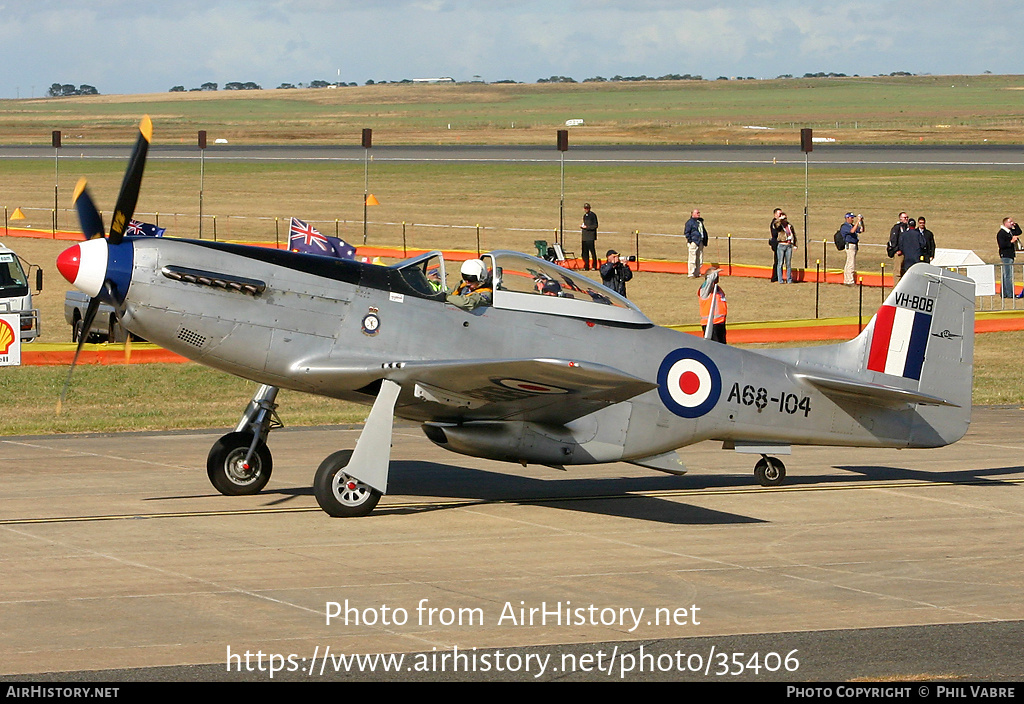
(911, 247)
(786, 245)
(893, 246)
(929, 241)
(773, 242)
(696, 241)
(615, 273)
(1006, 239)
(851, 231)
(588, 235)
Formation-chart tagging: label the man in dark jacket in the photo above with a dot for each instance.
(588, 236)
(1006, 240)
(696, 241)
(773, 242)
(929, 241)
(614, 273)
(911, 247)
(893, 246)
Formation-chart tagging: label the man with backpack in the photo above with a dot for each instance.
(850, 232)
(892, 248)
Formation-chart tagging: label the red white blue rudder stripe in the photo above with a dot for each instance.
(899, 342)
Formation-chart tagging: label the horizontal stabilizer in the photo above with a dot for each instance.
(866, 391)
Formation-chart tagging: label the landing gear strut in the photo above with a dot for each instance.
(240, 463)
(769, 471)
(349, 483)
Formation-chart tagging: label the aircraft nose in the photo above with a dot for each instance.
(85, 266)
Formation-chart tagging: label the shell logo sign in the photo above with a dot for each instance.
(10, 340)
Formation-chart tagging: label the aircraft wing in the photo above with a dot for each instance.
(540, 390)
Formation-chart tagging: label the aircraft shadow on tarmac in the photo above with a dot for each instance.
(989, 476)
(619, 496)
(603, 496)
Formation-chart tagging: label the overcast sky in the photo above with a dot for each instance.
(125, 46)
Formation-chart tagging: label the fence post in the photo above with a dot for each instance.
(860, 305)
(817, 285)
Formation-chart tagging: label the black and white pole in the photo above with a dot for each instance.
(202, 176)
(367, 144)
(563, 147)
(806, 146)
(55, 139)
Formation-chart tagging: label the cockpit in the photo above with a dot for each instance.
(525, 283)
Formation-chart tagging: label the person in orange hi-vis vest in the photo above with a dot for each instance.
(713, 305)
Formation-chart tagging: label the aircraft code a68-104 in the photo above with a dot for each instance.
(758, 396)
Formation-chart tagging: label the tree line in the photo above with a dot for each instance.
(59, 90)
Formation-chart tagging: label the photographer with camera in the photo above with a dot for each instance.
(851, 231)
(614, 273)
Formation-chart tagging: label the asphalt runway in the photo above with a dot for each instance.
(119, 562)
(986, 157)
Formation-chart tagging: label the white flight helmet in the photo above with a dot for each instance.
(474, 270)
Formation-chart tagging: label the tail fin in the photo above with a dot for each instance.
(923, 335)
(918, 350)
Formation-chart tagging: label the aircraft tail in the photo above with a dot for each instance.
(917, 351)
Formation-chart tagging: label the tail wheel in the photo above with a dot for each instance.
(339, 494)
(770, 471)
(228, 471)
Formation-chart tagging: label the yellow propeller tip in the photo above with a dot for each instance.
(146, 128)
(79, 188)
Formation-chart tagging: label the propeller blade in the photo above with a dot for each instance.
(88, 214)
(90, 316)
(129, 195)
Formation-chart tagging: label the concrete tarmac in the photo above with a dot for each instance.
(119, 561)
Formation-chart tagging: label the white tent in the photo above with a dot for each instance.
(955, 257)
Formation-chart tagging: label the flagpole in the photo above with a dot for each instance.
(202, 173)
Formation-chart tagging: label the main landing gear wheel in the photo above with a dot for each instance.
(769, 471)
(339, 494)
(228, 471)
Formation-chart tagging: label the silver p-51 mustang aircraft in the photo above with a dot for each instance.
(557, 374)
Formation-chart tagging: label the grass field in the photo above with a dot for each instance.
(880, 110)
(441, 204)
(517, 203)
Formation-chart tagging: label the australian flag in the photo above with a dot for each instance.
(303, 237)
(143, 229)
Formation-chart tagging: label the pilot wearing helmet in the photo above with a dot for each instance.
(475, 289)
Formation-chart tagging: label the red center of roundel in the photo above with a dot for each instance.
(689, 383)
